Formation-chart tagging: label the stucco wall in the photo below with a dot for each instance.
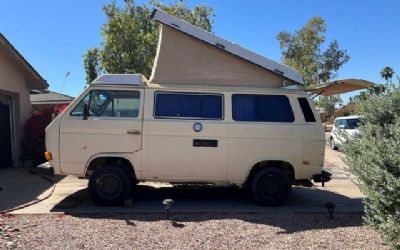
(12, 82)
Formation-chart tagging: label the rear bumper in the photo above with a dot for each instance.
(324, 176)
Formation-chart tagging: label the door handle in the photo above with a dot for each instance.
(133, 132)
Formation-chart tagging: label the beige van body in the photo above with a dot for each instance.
(161, 149)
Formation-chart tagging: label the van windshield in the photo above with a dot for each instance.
(353, 123)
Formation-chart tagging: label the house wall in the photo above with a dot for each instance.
(13, 83)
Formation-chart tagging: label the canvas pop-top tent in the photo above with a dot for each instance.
(187, 54)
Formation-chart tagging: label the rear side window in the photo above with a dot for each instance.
(306, 109)
(261, 108)
(188, 105)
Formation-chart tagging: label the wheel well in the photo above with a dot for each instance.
(285, 166)
(116, 161)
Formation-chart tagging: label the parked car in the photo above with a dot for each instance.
(346, 126)
(122, 130)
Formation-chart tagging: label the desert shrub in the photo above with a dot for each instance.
(374, 157)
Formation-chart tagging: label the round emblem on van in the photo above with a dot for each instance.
(197, 127)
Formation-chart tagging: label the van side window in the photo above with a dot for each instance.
(188, 105)
(261, 108)
(110, 103)
(306, 109)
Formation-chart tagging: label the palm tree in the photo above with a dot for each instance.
(387, 73)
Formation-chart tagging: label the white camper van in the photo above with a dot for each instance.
(212, 112)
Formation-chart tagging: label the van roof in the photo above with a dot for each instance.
(140, 80)
(120, 79)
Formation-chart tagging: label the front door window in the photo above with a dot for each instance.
(110, 103)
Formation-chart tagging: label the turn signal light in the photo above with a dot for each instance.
(48, 156)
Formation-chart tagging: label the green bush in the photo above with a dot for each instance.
(374, 157)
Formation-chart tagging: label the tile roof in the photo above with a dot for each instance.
(49, 97)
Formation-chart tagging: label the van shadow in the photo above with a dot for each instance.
(304, 211)
(19, 186)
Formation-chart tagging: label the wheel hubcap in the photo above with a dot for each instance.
(109, 186)
(271, 187)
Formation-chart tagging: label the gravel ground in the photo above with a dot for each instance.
(190, 231)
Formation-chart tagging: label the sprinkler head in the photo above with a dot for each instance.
(168, 203)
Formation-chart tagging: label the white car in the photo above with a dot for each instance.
(346, 125)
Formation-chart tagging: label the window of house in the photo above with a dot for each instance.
(306, 109)
(261, 108)
(188, 105)
(110, 103)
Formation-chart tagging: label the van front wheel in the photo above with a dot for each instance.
(271, 187)
(109, 185)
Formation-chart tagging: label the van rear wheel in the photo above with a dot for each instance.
(109, 185)
(271, 187)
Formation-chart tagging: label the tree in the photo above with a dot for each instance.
(373, 156)
(92, 64)
(302, 51)
(387, 73)
(329, 103)
(375, 90)
(332, 59)
(201, 16)
(130, 36)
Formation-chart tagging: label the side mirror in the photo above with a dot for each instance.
(85, 111)
(342, 126)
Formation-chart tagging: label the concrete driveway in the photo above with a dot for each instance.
(70, 195)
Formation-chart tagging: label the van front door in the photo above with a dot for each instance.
(113, 126)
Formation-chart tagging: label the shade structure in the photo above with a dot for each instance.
(189, 55)
(339, 87)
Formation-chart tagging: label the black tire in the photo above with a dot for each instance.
(110, 185)
(271, 187)
(332, 144)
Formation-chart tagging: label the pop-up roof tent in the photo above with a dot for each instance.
(186, 54)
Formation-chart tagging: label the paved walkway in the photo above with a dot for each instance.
(71, 196)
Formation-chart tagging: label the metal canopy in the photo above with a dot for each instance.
(339, 87)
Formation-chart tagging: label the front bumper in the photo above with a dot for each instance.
(324, 176)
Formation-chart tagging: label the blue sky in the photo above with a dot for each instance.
(53, 35)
